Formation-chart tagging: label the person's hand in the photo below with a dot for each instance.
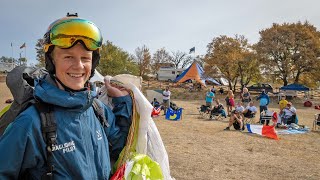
(113, 89)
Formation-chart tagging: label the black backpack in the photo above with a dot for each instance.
(20, 81)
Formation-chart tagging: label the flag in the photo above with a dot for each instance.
(192, 50)
(23, 45)
(263, 130)
(173, 114)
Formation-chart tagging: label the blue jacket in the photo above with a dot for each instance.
(264, 99)
(82, 150)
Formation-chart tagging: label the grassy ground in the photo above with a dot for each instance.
(199, 148)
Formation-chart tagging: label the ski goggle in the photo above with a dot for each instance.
(64, 33)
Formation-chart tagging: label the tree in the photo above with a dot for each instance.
(114, 60)
(40, 53)
(248, 68)
(180, 59)
(289, 50)
(232, 57)
(143, 58)
(160, 56)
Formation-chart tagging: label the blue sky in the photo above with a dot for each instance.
(173, 24)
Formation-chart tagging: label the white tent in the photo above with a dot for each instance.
(97, 77)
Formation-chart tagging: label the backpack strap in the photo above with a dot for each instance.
(99, 112)
(49, 134)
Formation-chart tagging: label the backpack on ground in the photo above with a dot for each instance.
(20, 81)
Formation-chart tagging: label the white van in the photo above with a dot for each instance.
(168, 73)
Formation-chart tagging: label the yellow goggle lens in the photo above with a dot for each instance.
(66, 32)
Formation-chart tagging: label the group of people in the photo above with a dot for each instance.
(240, 113)
(287, 113)
(165, 102)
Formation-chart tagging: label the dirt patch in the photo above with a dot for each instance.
(2, 78)
(200, 149)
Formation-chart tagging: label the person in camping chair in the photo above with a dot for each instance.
(155, 103)
(288, 114)
(218, 109)
(80, 146)
(250, 111)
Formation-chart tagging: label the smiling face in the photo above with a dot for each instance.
(73, 66)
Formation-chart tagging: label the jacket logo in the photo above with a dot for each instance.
(66, 147)
(99, 135)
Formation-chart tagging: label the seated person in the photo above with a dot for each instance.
(288, 114)
(250, 110)
(155, 103)
(238, 108)
(218, 109)
(236, 116)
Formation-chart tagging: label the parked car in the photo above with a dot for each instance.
(260, 86)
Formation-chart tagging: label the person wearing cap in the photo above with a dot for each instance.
(236, 115)
(83, 146)
(288, 113)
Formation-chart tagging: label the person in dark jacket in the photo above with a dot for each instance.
(83, 146)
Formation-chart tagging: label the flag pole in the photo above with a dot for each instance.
(25, 54)
(12, 63)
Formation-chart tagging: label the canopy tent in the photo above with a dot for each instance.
(212, 80)
(195, 72)
(291, 91)
(295, 87)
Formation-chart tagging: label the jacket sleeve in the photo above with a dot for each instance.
(120, 121)
(259, 97)
(19, 150)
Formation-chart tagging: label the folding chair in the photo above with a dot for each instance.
(249, 120)
(249, 117)
(316, 122)
(204, 111)
(265, 117)
(218, 114)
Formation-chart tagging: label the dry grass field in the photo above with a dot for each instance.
(199, 149)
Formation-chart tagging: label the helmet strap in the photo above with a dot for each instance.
(66, 88)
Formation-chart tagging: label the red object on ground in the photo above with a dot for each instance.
(307, 104)
(155, 112)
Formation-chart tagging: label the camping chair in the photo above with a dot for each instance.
(265, 117)
(249, 117)
(316, 122)
(204, 111)
(218, 115)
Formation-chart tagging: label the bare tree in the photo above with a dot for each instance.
(159, 57)
(181, 59)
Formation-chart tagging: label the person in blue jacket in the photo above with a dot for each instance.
(264, 101)
(83, 146)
